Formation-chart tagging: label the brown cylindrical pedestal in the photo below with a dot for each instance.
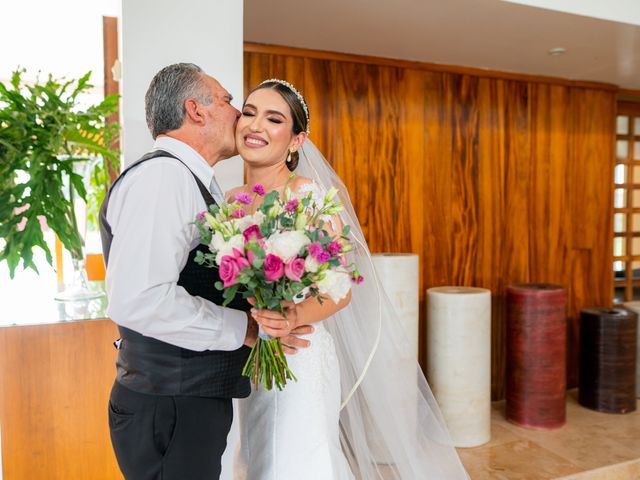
(608, 339)
(536, 355)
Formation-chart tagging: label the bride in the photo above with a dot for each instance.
(361, 408)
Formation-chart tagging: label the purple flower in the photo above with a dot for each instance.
(357, 278)
(314, 249)
(243, 198)
(323, 257)
(201, 215)
(258, 188)
(238, 213)
(334, 248)
(291, 205)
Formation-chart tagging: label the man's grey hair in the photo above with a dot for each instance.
(169, 89)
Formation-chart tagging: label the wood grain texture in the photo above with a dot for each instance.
(53, 403)
(491, 179)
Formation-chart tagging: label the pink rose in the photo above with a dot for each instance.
(228, 270)
(241, 261)
(273, 268)
(252, 233)
(294, 269)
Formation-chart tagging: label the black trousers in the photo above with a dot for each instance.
(158, 437)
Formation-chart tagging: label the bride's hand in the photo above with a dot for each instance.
(276, 324)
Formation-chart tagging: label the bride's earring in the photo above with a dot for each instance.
(291, 150)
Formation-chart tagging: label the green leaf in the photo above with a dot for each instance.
(45, 134)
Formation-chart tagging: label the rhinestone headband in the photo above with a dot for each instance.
(296, 93)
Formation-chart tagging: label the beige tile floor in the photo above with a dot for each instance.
(590, 446)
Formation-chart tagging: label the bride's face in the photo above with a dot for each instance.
(265, 129)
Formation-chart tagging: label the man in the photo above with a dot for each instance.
(181, 354)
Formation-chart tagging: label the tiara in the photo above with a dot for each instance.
(296, 93)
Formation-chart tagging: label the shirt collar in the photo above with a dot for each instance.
(196, 163)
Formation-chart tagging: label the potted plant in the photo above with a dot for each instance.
(48, 137)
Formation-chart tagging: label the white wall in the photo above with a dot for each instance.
(156, 33)
(624, 11)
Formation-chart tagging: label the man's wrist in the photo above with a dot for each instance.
(252, 331)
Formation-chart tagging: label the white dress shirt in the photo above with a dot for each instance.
(150, 212)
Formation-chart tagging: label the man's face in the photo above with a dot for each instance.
(221, 119)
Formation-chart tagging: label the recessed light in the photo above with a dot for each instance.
(557, 51)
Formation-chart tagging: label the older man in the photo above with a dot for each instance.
(181, 354)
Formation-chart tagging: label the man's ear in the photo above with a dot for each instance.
(193, 110)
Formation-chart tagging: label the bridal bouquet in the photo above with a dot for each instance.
(281, 252)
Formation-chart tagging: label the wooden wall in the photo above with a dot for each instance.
(55, 382)
(492, 179)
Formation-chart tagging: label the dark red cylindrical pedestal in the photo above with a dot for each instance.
(608, 338)
(536, 355)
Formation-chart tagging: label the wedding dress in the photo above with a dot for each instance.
(361, 408)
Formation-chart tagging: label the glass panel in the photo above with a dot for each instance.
(618, 295)
(635, 223)
(636, 293)
(622, 149)
(636, 126)
(619, 198)
(618, 246)
(636, 175)
(635, 246)
(636, 198)
(619, 270)
(619, 173)
(635, 269)
(619, 222)
(622, 125)
(636, 150)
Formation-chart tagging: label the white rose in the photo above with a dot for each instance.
(217, 241)
(248, 220)
(287, 244)
(258, 217)
(335, 284)
(310, 264)
(226, 248)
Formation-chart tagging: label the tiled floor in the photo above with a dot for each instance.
(591, 446)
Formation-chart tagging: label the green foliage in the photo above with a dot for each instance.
(44, 137)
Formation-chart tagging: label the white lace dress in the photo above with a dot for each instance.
(293, 434)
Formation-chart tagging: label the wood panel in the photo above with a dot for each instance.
(53, 403)
(492, 179)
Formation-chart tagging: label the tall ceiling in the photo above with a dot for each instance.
(489, 34)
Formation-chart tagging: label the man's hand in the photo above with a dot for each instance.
(252, 332)
(286, 328)
(291, 343)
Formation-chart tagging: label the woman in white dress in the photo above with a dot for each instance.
(361, 407)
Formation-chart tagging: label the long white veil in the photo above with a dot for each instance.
(390, 424)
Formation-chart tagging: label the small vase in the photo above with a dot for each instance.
(78, 290)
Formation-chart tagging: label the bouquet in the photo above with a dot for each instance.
(283, 251)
